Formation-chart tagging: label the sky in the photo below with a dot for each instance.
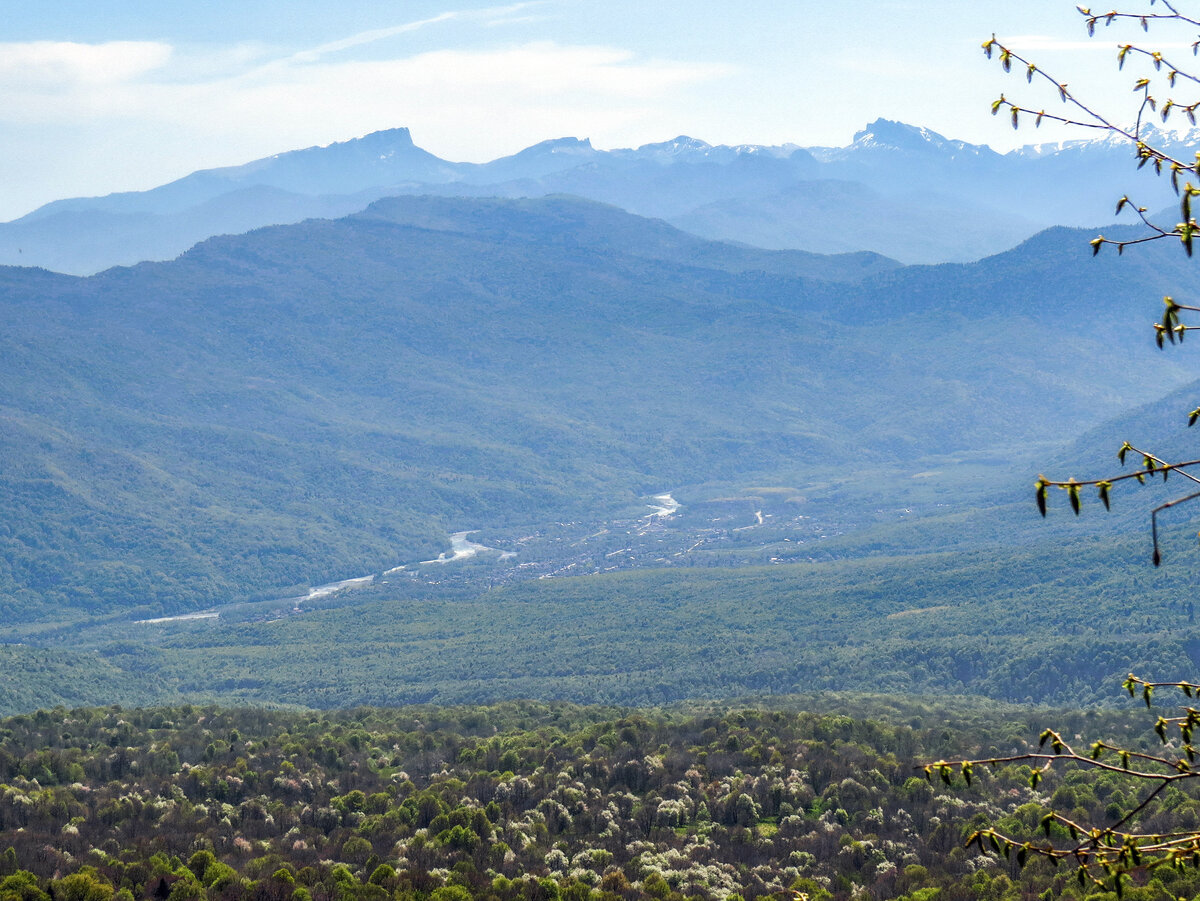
(98, 96)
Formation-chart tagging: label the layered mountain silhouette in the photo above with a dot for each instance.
(893, 182)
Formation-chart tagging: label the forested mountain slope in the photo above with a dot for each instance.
(318, 401)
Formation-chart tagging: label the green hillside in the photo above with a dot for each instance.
(313, 402)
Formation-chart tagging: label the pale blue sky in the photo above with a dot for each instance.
(115, 95)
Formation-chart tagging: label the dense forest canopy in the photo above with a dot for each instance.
(524, 801)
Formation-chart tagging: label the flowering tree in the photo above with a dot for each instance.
(1158, 82)
(1137, 842)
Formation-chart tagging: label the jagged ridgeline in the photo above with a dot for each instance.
(526, 801)
(904, 191)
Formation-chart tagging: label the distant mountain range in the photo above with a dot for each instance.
(315, 401)
(902, 191)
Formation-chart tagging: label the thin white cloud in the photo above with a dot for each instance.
(469, 104)
(51, 64)
(513, 14)
(80, 120)
(494, 15)
(368, 37)
(135, 80)
(205, 62)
